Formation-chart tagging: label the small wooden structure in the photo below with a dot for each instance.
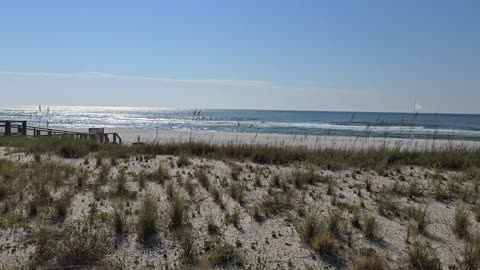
(20, 128)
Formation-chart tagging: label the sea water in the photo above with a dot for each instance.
(322, 123)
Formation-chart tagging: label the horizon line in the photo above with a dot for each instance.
(234, 109)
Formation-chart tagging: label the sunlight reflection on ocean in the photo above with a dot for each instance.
(396, 125)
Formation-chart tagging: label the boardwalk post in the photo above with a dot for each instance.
(24, 128)
(8, 128)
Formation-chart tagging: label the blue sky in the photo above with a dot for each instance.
(314, 55)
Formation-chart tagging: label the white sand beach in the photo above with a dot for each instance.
(282, 140)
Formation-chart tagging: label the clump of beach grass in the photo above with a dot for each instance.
(370, 227)
(476, 212)
(183, 160)
(77, 244)
(217, 196)
(461, 222)
(202, 177)
(277, 202)
(370, 261)
(119, 221)
(276, 181)
(325, 244)
(225, 254)
(121, 183)
(189, 253)
(212, 227)
(334, 222)
(178, 212)
(160, 175)
(386, 205)
(420, 216)
(237, 192)
(190, 187)
(355, 219)
(471, 254)
(82, 177)
(233, 218)
(72, 149)
(170, 190)
(103, 174)
(235, 171)
(83, 245)
(141, 179)
(421, 256)
(301, 178)
(62, 204)
(147, 224)
(318, 236)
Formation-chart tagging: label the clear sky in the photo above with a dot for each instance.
(314, 55)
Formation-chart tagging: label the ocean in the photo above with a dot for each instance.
(373, 124)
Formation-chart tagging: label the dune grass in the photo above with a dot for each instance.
(44, 190)
(370, 261)
(370, 227)
(422, 256)
(461, 223)
(148, 220)
(77, 246)
(225, 254)
(448, 157)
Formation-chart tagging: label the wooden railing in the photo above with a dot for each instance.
(20, 128)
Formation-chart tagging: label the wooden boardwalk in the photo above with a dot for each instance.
(20, 128)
